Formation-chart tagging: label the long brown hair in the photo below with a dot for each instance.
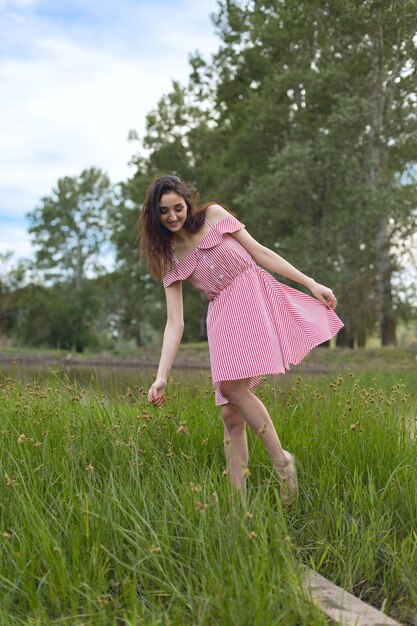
(155, 239)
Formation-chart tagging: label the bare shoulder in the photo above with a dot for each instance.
(216, 213)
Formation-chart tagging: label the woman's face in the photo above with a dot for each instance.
(173, 211)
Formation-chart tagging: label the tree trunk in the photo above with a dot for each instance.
(203, 327)
(79, 267)
(387, 321)
(344, 338)
(388, 329)
(378, 159)
(138, 334)
(361, 338)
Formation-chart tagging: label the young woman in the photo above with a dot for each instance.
(255, 324)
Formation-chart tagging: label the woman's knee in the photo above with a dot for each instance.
(232, 419)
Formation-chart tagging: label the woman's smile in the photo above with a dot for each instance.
(173, 211)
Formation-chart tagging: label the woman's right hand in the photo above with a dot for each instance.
(156, 391)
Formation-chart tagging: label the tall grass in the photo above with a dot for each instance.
(114, 512)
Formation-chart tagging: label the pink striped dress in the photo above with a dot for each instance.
(255, 324)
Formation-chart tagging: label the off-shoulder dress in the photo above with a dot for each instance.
(255, 324)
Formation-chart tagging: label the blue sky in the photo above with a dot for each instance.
(75, 77)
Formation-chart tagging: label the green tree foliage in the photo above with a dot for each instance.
(69, 227)
(143, 297)
(12, 278)
(52, 317)
(138, 301)
(70, 232)
(304, 121)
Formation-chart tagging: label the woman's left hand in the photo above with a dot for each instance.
(324, 294)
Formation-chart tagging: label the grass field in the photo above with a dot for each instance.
(115, 513)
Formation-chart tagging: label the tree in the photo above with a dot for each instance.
(134, 294)
(138, 298)
(52, 317)
(12, 278)
(69, 227)
(176, 139)
(305, 121)
(71, 233)
(318, 120)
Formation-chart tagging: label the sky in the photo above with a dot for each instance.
(75, 77)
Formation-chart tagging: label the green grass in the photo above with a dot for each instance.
(111, 513)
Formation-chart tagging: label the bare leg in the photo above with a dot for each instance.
(235, 445)
(256, 415)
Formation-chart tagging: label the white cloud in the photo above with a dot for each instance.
(71, 109)
(15, 4)
(68, 98)
(15, 239)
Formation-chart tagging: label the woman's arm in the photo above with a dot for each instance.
(172, 336)
(272, 261)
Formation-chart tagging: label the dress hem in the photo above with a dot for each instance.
(255, 378)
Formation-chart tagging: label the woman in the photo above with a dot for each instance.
(255, 325)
